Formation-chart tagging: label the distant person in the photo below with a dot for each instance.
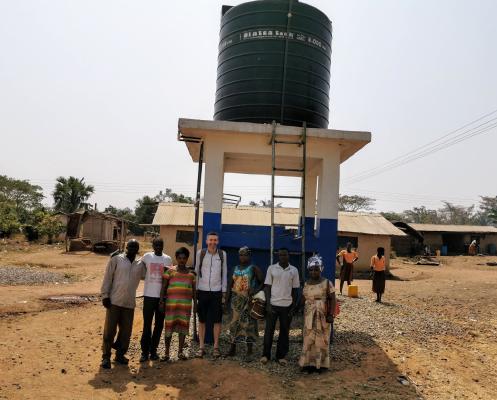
(156, 263)
(247, 280)
(178, 291)
(320, 302)
(378, 268)
(282, 282)
(212, 277)
(349, 257)
(121, 279)
(473, 248)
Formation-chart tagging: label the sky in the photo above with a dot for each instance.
(94, 89)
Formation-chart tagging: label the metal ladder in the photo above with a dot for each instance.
(301, 142)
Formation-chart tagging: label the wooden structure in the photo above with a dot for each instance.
(95, 231)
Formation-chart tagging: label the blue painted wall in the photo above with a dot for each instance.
(257, 238)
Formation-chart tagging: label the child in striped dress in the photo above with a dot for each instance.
(178, 289)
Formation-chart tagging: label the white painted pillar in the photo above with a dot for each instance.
(327, 218)
(213, 188)
(310, 202)
(329, 183)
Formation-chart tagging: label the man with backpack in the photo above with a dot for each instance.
(212, 278)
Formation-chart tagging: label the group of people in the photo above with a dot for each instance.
(377, 265)
(172, 292)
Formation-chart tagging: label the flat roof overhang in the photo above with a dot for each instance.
(350, 142)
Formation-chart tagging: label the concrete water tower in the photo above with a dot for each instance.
(271, 117)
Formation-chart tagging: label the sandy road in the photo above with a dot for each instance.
(52, 351)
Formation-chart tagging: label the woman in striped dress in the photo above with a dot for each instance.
(178, 289)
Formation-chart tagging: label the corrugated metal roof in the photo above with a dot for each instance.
(372, 224)
(180, 214)
(454, 228)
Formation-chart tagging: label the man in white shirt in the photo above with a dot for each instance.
(212, 277)
(155, 263)
(282, 282)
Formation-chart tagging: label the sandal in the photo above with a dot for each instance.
(216, 353)
(200, 353)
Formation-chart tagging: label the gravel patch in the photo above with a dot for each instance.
(73, 299)
(362, 323)
(385, 321)
(30, 275)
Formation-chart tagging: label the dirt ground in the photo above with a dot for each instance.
(51, 350)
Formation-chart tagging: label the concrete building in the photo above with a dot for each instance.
(453, 239)
(366, 231)
(243, 147)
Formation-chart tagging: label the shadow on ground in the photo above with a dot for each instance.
(360, 368)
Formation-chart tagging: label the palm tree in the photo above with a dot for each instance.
(70, 194)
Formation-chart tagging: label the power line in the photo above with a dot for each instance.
(430, 148)
(443, 145)
(411, 196)
(432, 142)
(264, 190)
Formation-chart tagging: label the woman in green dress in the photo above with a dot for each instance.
(247, 280)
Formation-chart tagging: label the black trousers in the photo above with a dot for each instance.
(281, 314)
(117, 317)
(150, 340)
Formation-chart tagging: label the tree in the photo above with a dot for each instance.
(265, 203)
(457, 215)
(145, 209)
(492, 216)
(71, 194)
(355, 203)
(394, 216)
(170, 196)
(125, 213)
(22, 195)
(422, 215)
(9, 222)
(488, 209)
(48, 225)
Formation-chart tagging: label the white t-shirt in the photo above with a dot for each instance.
(282, 281)
(155, 266)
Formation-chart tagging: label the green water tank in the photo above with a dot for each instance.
(274, 64)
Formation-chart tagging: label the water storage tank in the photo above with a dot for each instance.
(274, 64)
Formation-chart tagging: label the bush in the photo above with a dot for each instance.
(9, 222)
(48, 225)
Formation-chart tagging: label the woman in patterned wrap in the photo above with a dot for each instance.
(319, 299)
(247, 280)
(178, 289)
